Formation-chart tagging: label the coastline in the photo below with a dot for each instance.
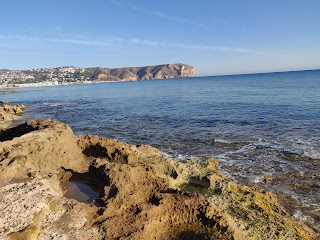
(7, 90)
(142, 192)
(17, 86)
(68, 84)
(74, 75)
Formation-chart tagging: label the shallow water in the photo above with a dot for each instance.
(263, 128)
(80, 192)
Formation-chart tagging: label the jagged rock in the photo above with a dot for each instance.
(40, 146)
(139, 192)
(9, 113)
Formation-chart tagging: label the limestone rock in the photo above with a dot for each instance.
(142, 194)
(178, 70)
(39, 146)
(9, 113)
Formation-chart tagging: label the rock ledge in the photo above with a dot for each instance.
(142, 194)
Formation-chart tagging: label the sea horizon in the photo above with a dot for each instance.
(123, 80)
(261, 72)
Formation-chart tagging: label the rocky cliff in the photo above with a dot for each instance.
(142, 73)
(70, 74)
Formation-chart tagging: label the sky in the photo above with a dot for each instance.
(215, 36)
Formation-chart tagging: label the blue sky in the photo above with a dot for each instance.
(215, 36)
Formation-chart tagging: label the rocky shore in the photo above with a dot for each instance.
(141, 193)
(7, 90)
(9, 113)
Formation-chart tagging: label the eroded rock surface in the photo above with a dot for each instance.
(9, 113)
(142, 194)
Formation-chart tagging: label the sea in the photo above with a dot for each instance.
(264, 129)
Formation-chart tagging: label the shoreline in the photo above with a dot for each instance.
(78, 83)
(57, 85)
(7, 90)
(142, 193)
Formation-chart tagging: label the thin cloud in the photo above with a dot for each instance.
(17, 37)
(80, 41)
(9, 46)
(163, 15)
(64, 39)
(115, 2)
(108, 55)
(195, 46)
(220, 48)
(147, 42)
(167, 17)
(40, 54)
(123, 42)
(21, 53)
(159, 14)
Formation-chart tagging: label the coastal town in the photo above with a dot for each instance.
(42, 76)
(75, 75)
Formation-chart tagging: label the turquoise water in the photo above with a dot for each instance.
(263, 128)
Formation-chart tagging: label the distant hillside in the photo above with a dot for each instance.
(69, 74)
(141, 73)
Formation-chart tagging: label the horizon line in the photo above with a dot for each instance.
(263, 72)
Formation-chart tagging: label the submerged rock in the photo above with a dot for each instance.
(139, 192)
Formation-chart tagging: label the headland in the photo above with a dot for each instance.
(75, 75)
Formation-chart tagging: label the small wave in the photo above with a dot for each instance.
(299, 215)
(48, 104)
(295, 147)
(312, 153)
(56, 104)
(167, 155)
(219, 140)
(175, 156)
(316, 210)
(259, 179)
